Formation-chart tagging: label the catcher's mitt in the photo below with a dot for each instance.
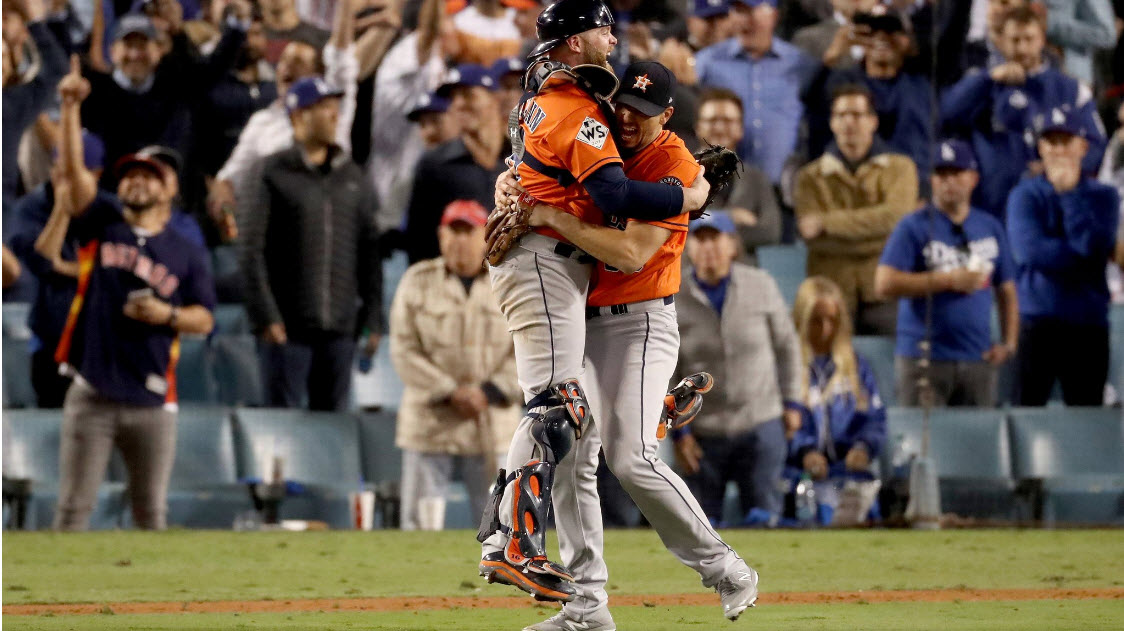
(722, 166)
(505, 226)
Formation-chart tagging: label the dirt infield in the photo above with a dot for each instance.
(505, 602)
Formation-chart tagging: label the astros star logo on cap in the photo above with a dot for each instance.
(642, 82)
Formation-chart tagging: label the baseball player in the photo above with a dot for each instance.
(632, 345)
(566, 157)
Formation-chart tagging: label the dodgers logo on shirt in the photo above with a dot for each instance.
(593, 133)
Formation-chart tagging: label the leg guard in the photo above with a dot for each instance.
(490, 520)
(554, 434)
(683, 402)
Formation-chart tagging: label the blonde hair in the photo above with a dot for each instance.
(811, 291)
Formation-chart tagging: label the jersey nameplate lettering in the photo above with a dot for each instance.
(593, 133)
(533, 116)
(671, 180)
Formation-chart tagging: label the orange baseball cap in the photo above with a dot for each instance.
(464, 210)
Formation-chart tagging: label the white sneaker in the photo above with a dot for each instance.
(738, 591)
(600, 621)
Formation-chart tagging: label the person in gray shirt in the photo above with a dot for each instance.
(755, 359)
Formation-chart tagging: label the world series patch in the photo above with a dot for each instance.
(593, 133)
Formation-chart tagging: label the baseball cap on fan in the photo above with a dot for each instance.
(955, 154)
(648, 87)
(710, 8)
(1060, 120)
(309, 91)
(714, 220)
(134, 23)
(466, 211)
(466, 75)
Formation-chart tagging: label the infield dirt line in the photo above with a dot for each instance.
(507, 602)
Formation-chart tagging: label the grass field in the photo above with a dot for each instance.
(186, 566)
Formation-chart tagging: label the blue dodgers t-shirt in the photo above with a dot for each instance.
(961, 322)
(124, 359)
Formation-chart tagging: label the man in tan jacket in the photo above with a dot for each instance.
(848, 202)
(450, 345)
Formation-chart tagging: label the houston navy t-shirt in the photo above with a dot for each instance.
(961, 322)
(127, 360)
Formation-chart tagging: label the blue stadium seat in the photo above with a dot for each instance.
(786, 264)
(1116, 349)
(18, 392)
(237, 371)
(319, 451)
(31, 450)
(879, 351)
(1073, 460)
(204, 491)
(971, 451)
(382, 460)
(195, 379)
(1052, 442)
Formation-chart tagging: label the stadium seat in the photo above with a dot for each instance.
(319, 451)
(879, 351)
(31, 450)
(195, 379)
(1072, 462)
(204, 491)
(382, 460)
(18, 392)
(786, 264)
(237, 371)
(1116, 349)
(971, 451)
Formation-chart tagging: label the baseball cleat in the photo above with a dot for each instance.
(683, 403)
(496, 569)
(598, 621)
(738, 591)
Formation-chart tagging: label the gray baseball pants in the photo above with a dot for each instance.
(631, 359)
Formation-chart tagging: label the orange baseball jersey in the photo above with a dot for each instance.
(667, 161)
(566, 138)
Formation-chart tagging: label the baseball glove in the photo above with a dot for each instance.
(722, 166)
(505, 226)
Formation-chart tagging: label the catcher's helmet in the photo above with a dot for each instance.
(565, 18)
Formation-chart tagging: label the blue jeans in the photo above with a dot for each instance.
(754, 461)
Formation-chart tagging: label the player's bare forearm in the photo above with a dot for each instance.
(626, 250)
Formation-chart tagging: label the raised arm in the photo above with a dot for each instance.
(73, 89)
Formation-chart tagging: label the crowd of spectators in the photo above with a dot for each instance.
(936, 159)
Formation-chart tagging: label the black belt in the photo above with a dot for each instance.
(595, 312)
(571, 252)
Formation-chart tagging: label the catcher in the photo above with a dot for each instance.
(632, 344)
(565, 156)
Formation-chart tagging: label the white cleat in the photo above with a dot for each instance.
(738, 591)
(599, 621)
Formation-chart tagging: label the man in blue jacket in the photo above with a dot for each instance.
(1062, 228)
(997, 109)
